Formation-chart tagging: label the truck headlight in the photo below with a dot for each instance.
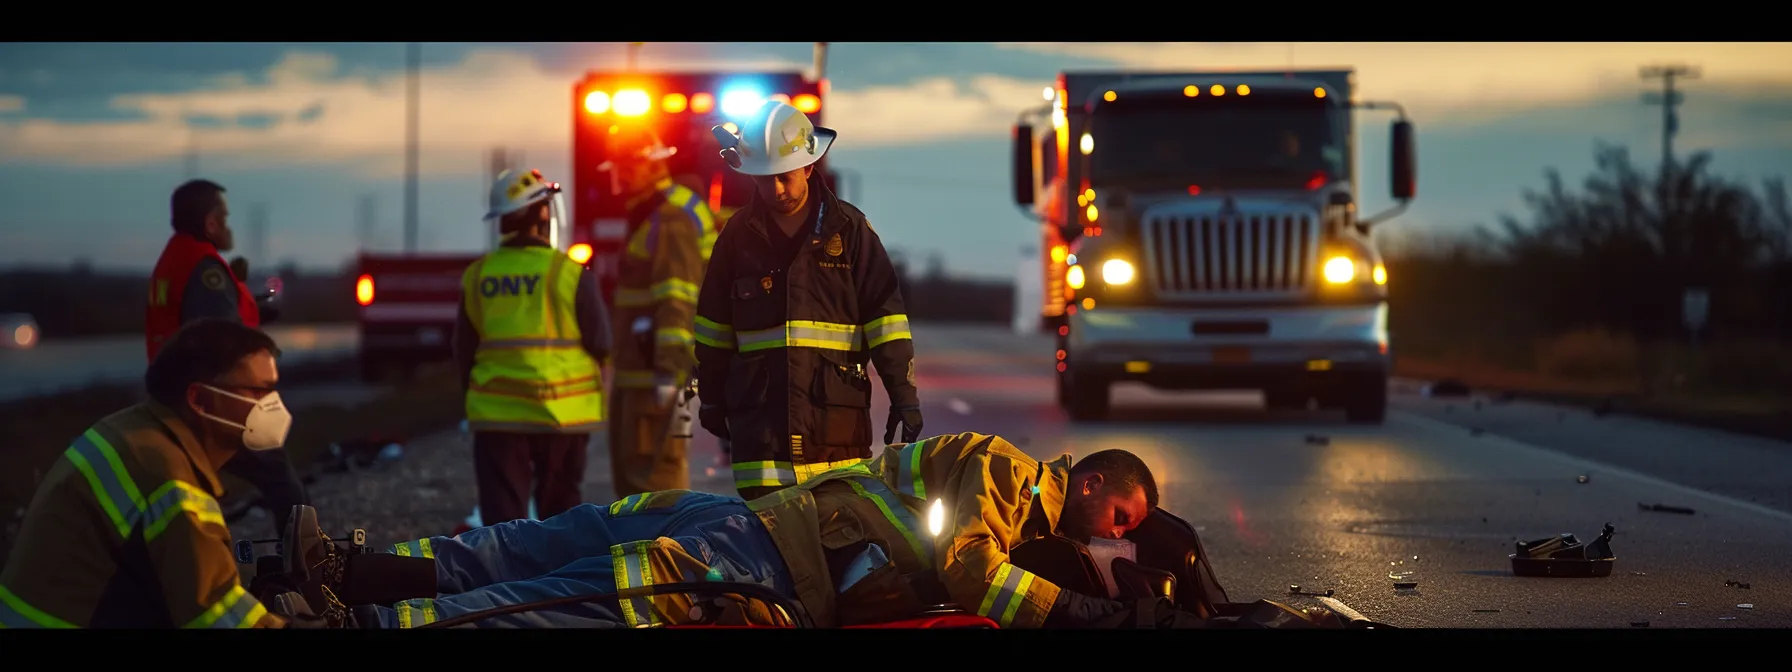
(1116, 272)
(1339, 270)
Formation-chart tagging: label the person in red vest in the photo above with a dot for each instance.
(191, 281)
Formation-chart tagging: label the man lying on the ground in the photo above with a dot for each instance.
(922, 524)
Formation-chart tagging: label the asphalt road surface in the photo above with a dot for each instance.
(57, 366)
(1424, 498)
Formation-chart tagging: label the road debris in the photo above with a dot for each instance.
(1679, 604)
(1406, 585)
(1564, 556)
(1296, 590)
(1745, 606)
(1663, 508)
(1583, 479)
(1485, 611)
(1736, 584)
(1639, 624)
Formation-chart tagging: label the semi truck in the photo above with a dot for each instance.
(1200, 231)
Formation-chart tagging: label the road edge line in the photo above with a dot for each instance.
(1588, 465)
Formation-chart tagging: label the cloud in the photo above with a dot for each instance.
(930, 109)
(306, 110)
(11, 103)
(1463, 83)
(303, 110)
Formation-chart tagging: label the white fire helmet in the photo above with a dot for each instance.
(775, 140)
(515, 190)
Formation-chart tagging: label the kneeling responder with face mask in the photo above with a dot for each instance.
(669, 234)
(125, 530)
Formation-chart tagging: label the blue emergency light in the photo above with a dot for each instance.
(741, 101)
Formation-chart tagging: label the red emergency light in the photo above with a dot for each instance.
(639, 101)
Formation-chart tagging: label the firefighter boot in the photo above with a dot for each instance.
(314, 564)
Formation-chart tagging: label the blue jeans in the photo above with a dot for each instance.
(569, 554)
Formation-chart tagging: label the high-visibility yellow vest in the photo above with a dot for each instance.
(531, 373)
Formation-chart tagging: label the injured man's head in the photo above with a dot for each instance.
(1109, 494)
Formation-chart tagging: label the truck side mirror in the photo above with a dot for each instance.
(1404, 162)
(1023, 164)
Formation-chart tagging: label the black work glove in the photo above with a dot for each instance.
(714, 420)
(909, 417)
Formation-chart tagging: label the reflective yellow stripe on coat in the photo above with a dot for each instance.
(781, 473)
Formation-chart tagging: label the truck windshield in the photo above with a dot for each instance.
(1236, 142)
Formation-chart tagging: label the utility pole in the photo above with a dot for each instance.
(192, 152)
(1669, 99)
(258, 233)
(368, 221)
(497, 160)
(415, 63)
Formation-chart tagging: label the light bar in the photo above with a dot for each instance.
(735, 102)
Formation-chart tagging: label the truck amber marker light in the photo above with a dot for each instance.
(364, 290)
(580, 253)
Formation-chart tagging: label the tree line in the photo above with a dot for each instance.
(1591, 280)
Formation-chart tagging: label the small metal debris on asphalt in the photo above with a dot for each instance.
(1736, 584)
(1399, 575)
(1663, 508)
(1679, 604)
(1726, 618)
(1582, 479)
(1745, 606)
(1406, 585)
(1296, 590)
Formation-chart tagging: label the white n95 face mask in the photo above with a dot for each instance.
(267, 424)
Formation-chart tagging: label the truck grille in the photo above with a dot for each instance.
(1234, 256)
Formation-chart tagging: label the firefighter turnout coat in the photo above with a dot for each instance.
(125, 532)
(531, 373)
(993, 498)
(783, 343)
(671, 232)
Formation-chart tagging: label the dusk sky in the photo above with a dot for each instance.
(93, 136)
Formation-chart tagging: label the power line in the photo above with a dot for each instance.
(1668, 99)
(414, 54)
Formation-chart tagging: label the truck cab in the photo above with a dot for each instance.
(1214, 241)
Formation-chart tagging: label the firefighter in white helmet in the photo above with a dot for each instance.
(531, 333)
(670, 231)
(800, 296)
